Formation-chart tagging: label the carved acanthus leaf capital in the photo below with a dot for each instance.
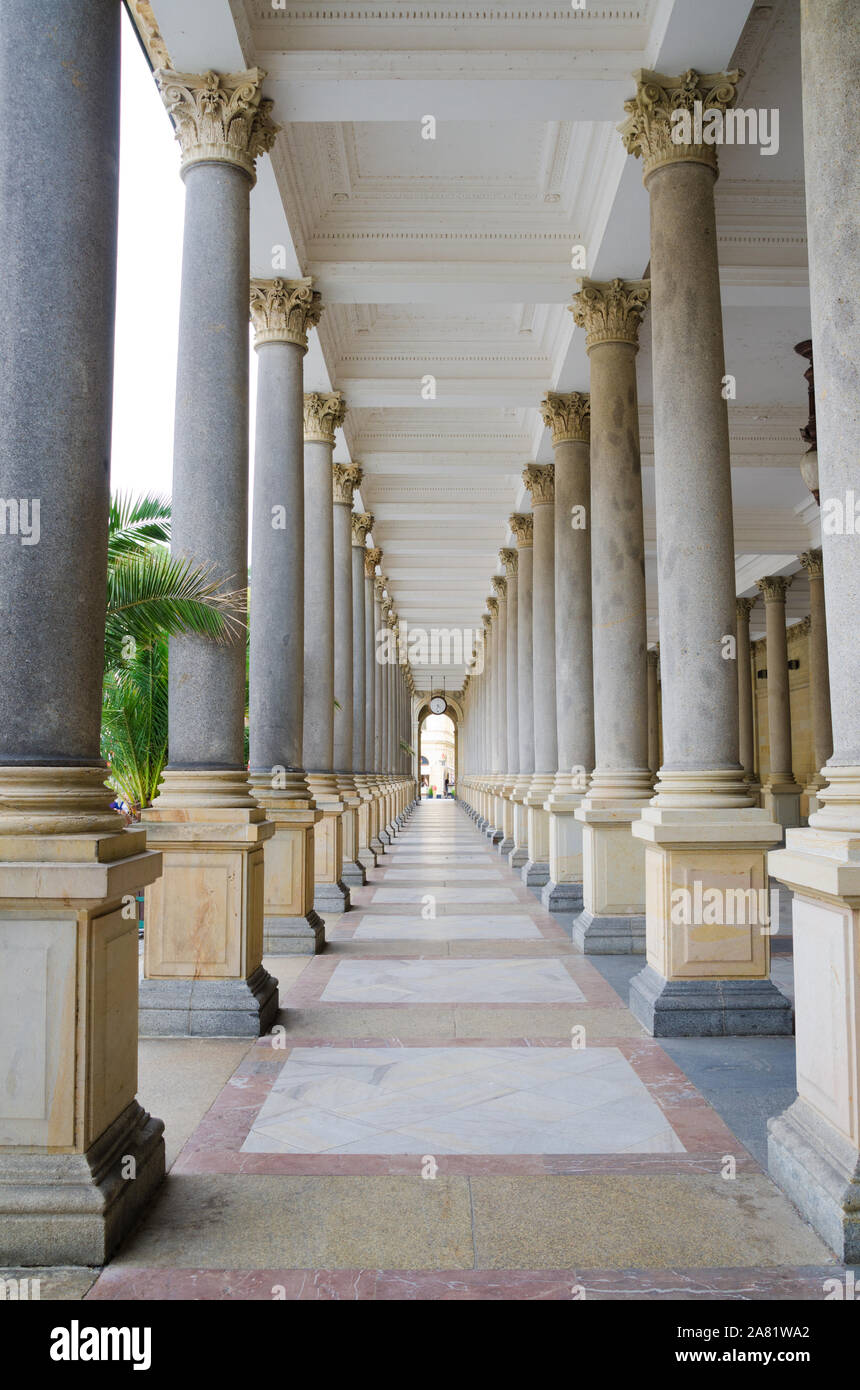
(773, 586)
(220, 117)
(500, 586)
(345, 478)
(379, 587)
(656, 134)
(568, 415)
(282, 311)
(510, 560)
(361, 522)
(522, 525)
(324, 413)
(610, 311)
(493, 605)
(813, 563)
(372, 558)
(540, 481)
(744, 606)
(486, 619)
(801, 629)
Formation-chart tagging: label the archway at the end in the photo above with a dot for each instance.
(437, 748)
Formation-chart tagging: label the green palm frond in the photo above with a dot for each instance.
(152, 594)
(137, 523)
(134, 725)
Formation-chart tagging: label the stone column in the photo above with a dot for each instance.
(79, 1157)
(653, 655)
(494, 832)
(508, 558)
(323, 414)
(568, 415)
(819, 677)
(705, 842)
(503, 813)
(361, 718)
(613, 916)
(282, 312)
(814, 1152)
(371, 560)
(780, 793)
(203, 946)
(345, 478)
(746, 722)
(540, 483)
(522, 525)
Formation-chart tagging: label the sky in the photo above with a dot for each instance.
(149, 264)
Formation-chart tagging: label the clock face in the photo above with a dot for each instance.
(438, 705)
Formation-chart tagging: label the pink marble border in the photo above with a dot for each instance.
(385, 1285)
(216, 1144)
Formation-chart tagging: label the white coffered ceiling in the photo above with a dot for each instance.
(450, 257)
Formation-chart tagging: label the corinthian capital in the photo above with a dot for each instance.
(362, 522)
(813, 563)
(568, 415)
(499, 586)
(371, 559)
(674, 120)
(540, 481)
(493, 605)
(324, 412)
(282, 311)
(610, 311)
(221, 117)
(522, 524)
(743, 608)
(379, 588)
(345, 478)
(773, 586)
(510, 560)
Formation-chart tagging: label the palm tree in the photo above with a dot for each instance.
(151, 597)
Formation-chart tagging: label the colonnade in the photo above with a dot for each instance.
(673, 860)
(235, 859)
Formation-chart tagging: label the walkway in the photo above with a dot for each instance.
(461, 1106)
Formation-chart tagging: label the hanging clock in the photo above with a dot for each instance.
(438, 704)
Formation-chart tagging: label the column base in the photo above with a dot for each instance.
(494, 835)
(505, 846)
(820, 1171)
(354, 874)
(782, 800)
(535, 873)
(76, 1209)
(377, 846)
(518, 857)
(561, 897)
(609, 936)
(330, 898)
(708, 1008)
(209, 1008)
(294, 936)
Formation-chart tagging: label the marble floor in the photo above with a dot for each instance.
(456, 1104)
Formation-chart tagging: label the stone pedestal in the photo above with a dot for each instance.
(291, 924)
(563, 892)
(331, 894)
(79, 1157)
(535, 871)
(612, 921)
(203, 946)
(708, 924)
